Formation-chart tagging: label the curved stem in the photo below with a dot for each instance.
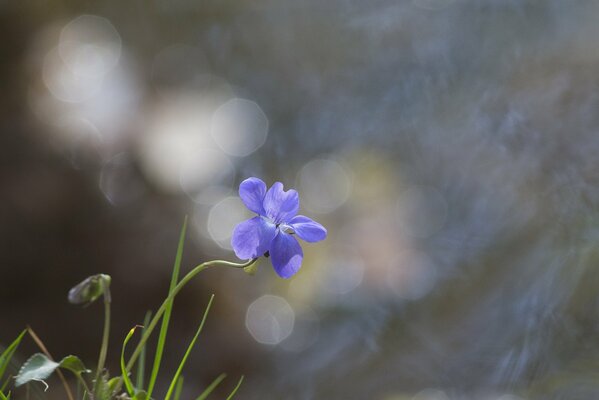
(105, 334)
(43, 348)
(85, 386)
(148, 329)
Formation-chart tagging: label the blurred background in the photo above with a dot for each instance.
(451, 148)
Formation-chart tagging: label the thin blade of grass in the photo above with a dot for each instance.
(211, 387)
(5, 384)
(7, 354)
(236, 388)
(141, 366)
(189, 348)
(178, 389)
(167, 313)
(125, 376)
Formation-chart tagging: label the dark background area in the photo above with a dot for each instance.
(450, 147)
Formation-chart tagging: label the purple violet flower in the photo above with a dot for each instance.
(273, 229)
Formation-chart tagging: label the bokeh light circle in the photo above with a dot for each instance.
(222, 219)
(239, 127)
(205, 170)
(270, 319)
(324, 185)
(64, 84)
(176, 135)
(90, 46)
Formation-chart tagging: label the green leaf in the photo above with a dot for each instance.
(3, 397)
(141, 395)
(90, 289)
(167, 313)
(112, 383)
(189, 348)
(73, 364)
(212, 386)
(37, 368)
(7, 354)
(236, 388)
(125, 376)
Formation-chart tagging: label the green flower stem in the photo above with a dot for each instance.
(148, 329)
(105, 334)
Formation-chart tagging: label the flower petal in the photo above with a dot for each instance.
(307, 229)
(252, 238)
(286, 255)
(280, 205)
(252, 192)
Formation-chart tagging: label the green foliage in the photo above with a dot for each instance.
(105, 388)
(40, 367)
(167, 313)
(141, 365)
(178, 389)
(125, 375)
(211, 387)
(73, 364)
(5, 358)
(236, 388)
(189, 348)
(37, 368)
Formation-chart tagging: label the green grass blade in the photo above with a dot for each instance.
(236, 388)
(5, 384)
(167, 313)
(8, 353)
(211, 387)
(125, 376)
(189, 348)
(141, 366)
(3, 397)
(178, 389)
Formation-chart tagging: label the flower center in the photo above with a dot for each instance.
(286, 228)
(283, 227)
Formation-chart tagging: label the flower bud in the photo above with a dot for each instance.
(90, 289)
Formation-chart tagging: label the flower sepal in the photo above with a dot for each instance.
(252, 268)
